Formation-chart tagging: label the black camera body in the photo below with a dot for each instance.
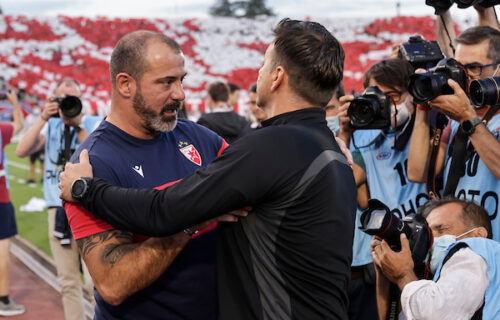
(462, 4)
(370, 110)
(377, 220)
(70, 106)
(427, 86)
(485, 92)
(421, 53)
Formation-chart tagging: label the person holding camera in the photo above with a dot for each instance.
(8, 227)
(463, 260)
(59, 130)
(380, 157)
(470, 148)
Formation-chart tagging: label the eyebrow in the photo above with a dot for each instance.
(170, 78)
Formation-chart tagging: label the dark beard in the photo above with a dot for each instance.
(154, 123)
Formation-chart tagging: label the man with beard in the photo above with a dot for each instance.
(137, 277)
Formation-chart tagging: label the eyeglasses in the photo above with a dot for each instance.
(475, 69)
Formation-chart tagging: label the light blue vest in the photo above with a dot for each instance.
(479, 184)
(489, 250)
(54, 145)
(387, 181)
(386, 173)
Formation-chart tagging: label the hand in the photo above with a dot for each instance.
(51, 108)
(231, 216)
(345, 150)
(395, 49)
(456, 105)
(73, 171)
(396, 266)
(344, 120)
(12, 97)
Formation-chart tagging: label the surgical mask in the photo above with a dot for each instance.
(333, 123)
(402, 115)
(36, 112)
(440, 247)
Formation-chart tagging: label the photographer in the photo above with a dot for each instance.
(380, 161)
(478, 50)
(463, 260)
(60, 134)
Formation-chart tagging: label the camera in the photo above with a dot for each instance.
(377, 220)
(370, 110)
(462, 4)
(426, 86)
(70, 106)
(442, 6)
(421, 53)
(485, 92)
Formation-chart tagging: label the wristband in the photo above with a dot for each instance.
(423, 107)
(190, 232)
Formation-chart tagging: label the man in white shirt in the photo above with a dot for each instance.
(464, 270)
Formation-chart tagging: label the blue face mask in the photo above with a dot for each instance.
(440, 246)
(333, 123)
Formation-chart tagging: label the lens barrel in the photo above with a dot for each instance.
(485, 92)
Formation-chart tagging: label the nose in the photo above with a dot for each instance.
(178, 92)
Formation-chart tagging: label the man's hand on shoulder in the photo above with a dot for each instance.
(73, 171)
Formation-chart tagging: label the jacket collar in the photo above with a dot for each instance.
(304, 116)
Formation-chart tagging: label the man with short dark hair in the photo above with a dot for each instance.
(289, 259)
(234, 94)
(222, 119)
(256, 111)
(143, 144)
(478, 50)
(464, 263)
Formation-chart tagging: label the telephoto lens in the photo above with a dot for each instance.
(485, 92)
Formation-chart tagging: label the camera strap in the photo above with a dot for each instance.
(457, 167)
(440, 124)
(394, 298)
(68, 137)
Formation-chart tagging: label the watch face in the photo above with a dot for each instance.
(78, 188)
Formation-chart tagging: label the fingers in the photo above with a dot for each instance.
(405, 244)
(227, 218)
(84, 157)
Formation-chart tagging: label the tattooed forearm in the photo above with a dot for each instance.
(112, 253)
(87, 244)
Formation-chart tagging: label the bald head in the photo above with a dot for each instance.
(129, 55)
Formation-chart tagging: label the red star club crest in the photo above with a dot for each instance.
(191, 154)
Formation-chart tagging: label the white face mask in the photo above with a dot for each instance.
(402, 115)
(333, 123)
(440, 247)
(36, 112)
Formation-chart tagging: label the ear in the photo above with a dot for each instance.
(277, 78)
(481, 232)
(125, 85)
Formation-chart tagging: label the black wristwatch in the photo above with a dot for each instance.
(468, 126)
(80, 188)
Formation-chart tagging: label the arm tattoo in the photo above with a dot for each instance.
(112, 252)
